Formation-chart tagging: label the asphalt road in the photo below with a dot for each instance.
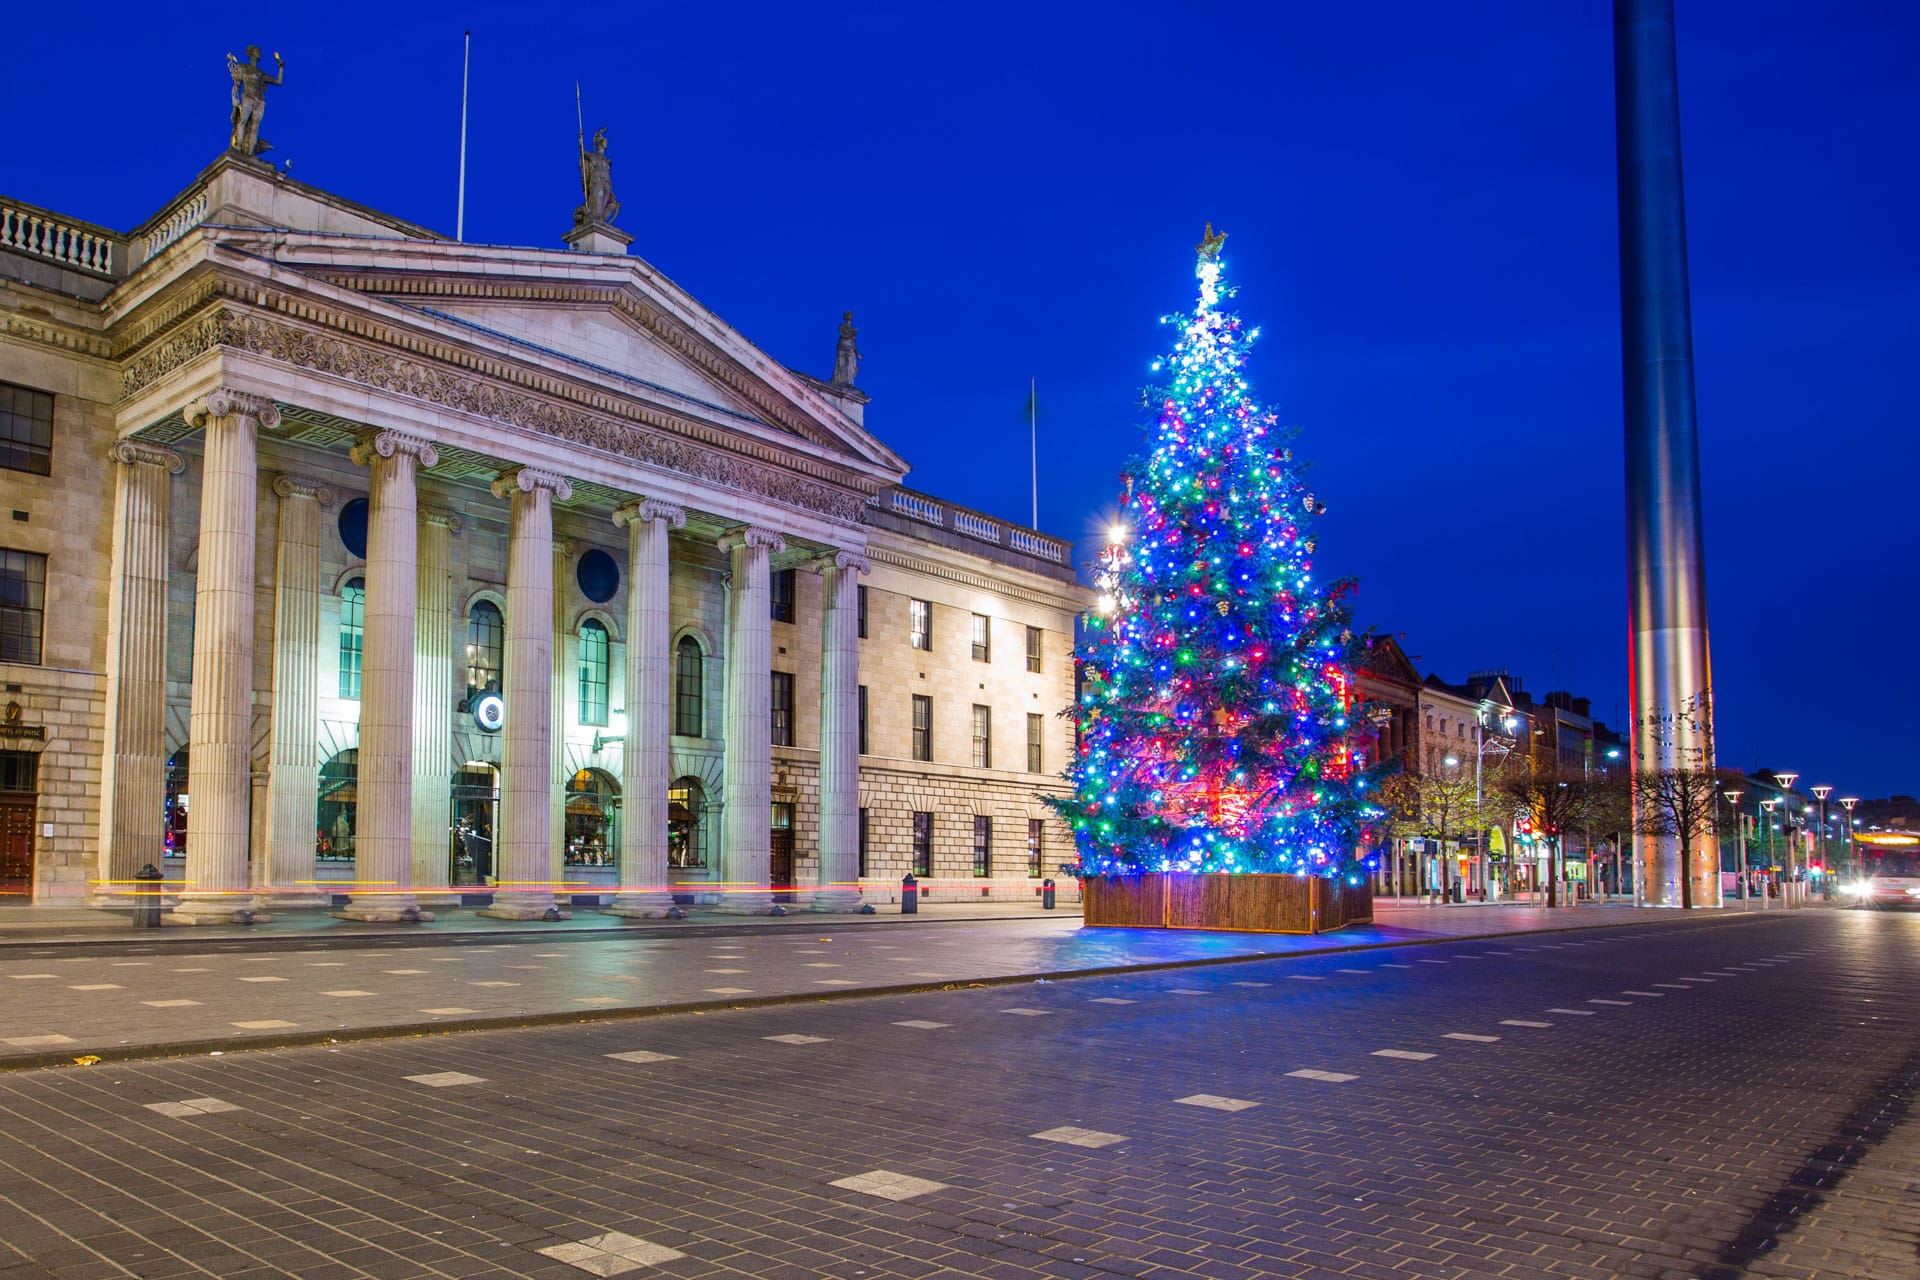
(1708, 1100)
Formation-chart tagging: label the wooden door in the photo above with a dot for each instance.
(781, 861)
(16, 847)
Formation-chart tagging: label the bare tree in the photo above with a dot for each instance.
(1679, 804)
(1558, 802)
(1612, 813)
(1439, 806)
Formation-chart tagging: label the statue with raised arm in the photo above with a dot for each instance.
(846, 361)
(250, 81)
(596, 184)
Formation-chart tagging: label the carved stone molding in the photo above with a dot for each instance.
(292, 486)
(442, 516)
(225, 403)
(442, 385)
(527, 479)
(753, 536)
(642, 510)
(854, 560)
(387, 443)
(138, 453)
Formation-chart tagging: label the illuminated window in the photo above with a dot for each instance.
(1035, 826)
(486, 640)
(689, 695)
(594, 654)
(922, 844)
(1034, 641)
(982, 845)
(353, 635)
(920, 624)
(982, 737)
(922, 727)
(982, 638)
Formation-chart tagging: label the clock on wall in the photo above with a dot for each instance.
(489, 712)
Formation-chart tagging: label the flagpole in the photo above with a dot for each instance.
(460, 213)
(1033, 444)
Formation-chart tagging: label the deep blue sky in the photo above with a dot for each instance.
(1421, 205)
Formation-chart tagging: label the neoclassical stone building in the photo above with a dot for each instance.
(347, 561)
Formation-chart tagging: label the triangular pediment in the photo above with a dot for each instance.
(1388, 661)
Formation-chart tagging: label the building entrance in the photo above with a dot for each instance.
(780, 853)
(19, 779)
(476, 798)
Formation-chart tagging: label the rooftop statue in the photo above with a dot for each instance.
(596, 184)
(250, 81)
(846, 361)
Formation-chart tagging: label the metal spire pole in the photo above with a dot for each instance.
(1671, 677)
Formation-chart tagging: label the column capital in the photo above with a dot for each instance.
(222, 403)
(133, 453)
(753, 536)
(442, 516)
(292, 486)
(644, 510)
(386, 444)
(527, 479)
(845, 560)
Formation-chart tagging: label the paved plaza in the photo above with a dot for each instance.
(1653, 1098)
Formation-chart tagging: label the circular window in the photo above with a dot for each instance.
(599, 576)
(353, 527)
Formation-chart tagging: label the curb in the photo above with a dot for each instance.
(505, 1022)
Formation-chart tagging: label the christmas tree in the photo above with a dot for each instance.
(1218, 676)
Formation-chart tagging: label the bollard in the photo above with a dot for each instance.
(1046, 895)
(909, 895)
(146, 900)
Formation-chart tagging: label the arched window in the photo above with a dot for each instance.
(339, 806)
(688, 693)
(593, 829)
(593, 672)
(486, 640)
(353, 635)
(685, 800)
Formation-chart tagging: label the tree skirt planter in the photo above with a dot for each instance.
(1250, 903)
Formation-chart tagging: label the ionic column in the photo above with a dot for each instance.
(220, 717)
(645, 771)
(293, 751)
(383, 842)
(748, 785)
(557, 690)
(433, 703)
(523, 844)
(838, 888)
(133, 765)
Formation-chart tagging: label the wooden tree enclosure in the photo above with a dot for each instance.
(1254, 903)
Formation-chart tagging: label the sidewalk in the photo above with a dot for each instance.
(210, 992)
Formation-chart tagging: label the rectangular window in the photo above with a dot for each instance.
(982, 737)
(982, 845)
(1036, 725)
(920, 624)
(863, 842)
(19, 771)
(1034, 641)
(982, 638)
(922, 844)
(780, 595)
(595, 659)
(23, 604)
(26, 429)
(781, 712)
(1035, 826)
(863, 720)
(689, 688)
(353, 636)
(922, 727)
(860, 596)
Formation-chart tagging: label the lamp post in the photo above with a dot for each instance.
(1849, 802)
(1770, 806)
(1820, 794)
(1740, 826)
(1787, 891)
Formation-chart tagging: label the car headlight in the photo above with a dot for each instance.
(1858, 887)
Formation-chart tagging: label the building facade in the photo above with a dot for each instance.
(346, 559)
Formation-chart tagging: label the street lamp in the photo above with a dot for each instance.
(1821, 794)
(1740, 826)
(1849, 802)
(1786, 781)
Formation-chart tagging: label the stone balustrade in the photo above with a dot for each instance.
(26, 229)
(971, 524)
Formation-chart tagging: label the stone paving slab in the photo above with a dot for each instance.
(59, 1004)
(1637, 1142)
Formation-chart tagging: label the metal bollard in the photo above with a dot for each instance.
(146, 901)
(1046, 895)
(909, 895)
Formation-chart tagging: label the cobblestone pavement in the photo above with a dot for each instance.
(136, 993)
(1713, 1100)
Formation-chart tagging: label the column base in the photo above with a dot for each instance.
(546, 910)
(644, 906)
(749, 903)
(838, 901)
(207, 911)
(383, 913)
(438, 900)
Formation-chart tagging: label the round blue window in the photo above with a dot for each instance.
(598, 575)
(353, 527)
